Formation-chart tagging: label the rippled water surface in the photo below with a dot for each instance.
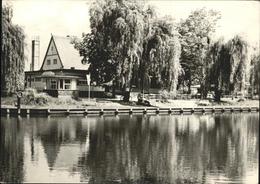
(138, 149)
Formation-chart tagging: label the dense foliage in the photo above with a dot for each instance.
(196, 32)
(12, 53)
(228, 66)
(161, 54)
(255, 74)
(127, 44)
(130, 45)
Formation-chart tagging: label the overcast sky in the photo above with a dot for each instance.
(70, 17)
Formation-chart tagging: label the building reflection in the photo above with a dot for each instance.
(63, 140)
(137, 149)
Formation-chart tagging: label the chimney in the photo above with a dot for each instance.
(33, 53)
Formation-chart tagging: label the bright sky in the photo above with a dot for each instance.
(66, 17)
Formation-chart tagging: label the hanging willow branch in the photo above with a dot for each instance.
(12, 57)
(228, 66)
(162, 51)
(133, 43)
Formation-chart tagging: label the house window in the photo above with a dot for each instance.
(55, 61)
(67, 84)
(38, 79)
(53, 84)
(82, 83)
(48, 62)
(51, 48)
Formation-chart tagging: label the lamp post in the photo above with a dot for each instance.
(88, 81)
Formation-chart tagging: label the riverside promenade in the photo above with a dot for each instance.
(6, 111)
(98, 107)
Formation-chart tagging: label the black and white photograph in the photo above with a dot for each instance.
(130, 91)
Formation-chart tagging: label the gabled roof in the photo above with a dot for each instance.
(68, 55)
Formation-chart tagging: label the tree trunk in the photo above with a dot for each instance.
(127, 90)
(189, 86)
(217, 95)
(126, 96)
(113, 89)
(204, 90)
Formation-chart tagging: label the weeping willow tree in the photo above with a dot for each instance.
(118, 29)
(254, 79)
(239, 62)
(161, 54)
(228, 67)
(218, 68)
(12, 56)
(122, 45)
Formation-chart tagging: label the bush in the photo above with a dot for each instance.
(31, 97)
(65, 100)
(28, 96)
(42, 99)
(75, 96)
(167, 95)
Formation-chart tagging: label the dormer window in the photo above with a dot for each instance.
(48, 62)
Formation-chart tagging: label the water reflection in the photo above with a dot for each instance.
(11, 150)
(136, 149)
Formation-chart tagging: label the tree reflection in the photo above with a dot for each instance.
(11, 150)
(137, 149)
(169, 148)
(125, 150)
(221, 150)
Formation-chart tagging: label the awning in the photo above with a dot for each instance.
(50, 74)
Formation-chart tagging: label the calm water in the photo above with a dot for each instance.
(139, 149)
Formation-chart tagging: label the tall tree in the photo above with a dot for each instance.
(228, 67)
(122, 45)
(161, 54)
(254, 79)
(196, 33)
(239, 62)
(118, 29)
(12, 57)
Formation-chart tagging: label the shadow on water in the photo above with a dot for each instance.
(11, 150)
(131, 149)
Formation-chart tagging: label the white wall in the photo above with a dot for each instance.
(51, 55)
(38, 85)
(92, 88)
(73, 84)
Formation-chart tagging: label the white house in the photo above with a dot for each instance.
(62, 71)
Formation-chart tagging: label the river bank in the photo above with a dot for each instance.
(57, 103)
